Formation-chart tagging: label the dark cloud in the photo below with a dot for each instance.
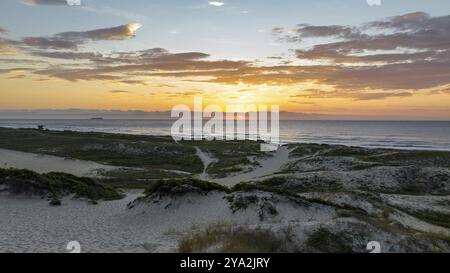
(122, 32)
(2, 30)
(416, 20)
(381, 95)
(77, 74)
(164, 85)
(17, 77)
(307, 31)
(67, 55)
(44, 2)
(134, 82)
(119, 91)
(328, 53)
(71, 40)
(7, 46)
(50, 43)
(154, 55)
(143, 63)
(427, 36)
(275, 57)
(419, 75)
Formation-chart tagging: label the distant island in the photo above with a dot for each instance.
(97, 118)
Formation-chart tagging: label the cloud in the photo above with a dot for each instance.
(408, 51)
(77, 74)
(186, 93)
(216, 3)
(446, 91)
(17, 77)
(418, 75)
(160, 63)
(122, 32)
(416, 20)
(6, 47)
(392, 57)
(22, 60)
(134, 82)
(50, 43)
(121, 65)
(277, 30)
(410, 37)
(67, 55)
(155, 55)
(71, 40)
(319, 94)
(119, 91)
(44, 2)
(381, 95)
(307, 31)
(9, 70)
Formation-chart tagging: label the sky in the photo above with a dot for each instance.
(330, 57)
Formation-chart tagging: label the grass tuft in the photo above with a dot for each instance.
(227, 238)
(55, 185)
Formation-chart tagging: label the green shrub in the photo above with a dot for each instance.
(55, 185)
(323, 240)
(167, 186)
(241, 202)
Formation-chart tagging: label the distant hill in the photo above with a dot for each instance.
(163, 115)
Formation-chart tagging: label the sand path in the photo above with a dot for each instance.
(207, 160)
(267, 167)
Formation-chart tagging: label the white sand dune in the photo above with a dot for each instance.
(46, 163)
(31, 225)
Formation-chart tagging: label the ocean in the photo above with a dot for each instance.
(417, 135)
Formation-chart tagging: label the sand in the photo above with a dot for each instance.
(31, 225)
(207, 160)
(46, 163)
(267, 166)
